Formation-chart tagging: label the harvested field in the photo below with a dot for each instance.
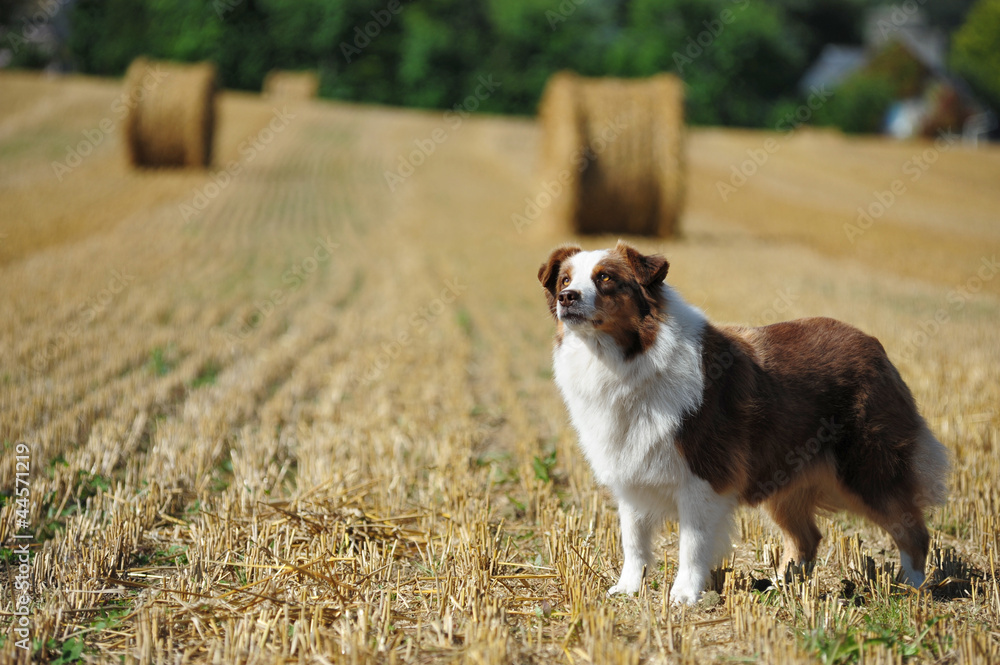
(275, 412)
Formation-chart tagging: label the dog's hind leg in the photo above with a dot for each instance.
(902, 515)
(904, 520)
(794, 510)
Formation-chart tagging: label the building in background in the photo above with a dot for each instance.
(906, 53)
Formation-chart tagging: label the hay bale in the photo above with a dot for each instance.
(291, 85)
(559, 115)
(171, 121)
(616, 147)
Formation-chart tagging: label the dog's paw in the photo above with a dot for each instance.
(624, 587)
(683, 592)
(914, 578)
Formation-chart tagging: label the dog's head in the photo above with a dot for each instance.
(611, 291)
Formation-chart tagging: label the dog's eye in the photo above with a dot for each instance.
(604, 277)
(565, 281)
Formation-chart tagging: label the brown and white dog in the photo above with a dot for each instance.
(682, 419)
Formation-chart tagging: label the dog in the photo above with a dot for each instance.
(682, 419)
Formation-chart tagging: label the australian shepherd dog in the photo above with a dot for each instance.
(683, 419)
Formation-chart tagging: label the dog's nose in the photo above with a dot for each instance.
(567, 297)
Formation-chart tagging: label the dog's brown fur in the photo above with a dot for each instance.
(810, 414)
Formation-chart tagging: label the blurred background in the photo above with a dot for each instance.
(295, 325)
(912, 67)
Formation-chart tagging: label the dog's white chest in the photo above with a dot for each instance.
(628, 413)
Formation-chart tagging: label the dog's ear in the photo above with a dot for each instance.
(650, 270)
(548, 273)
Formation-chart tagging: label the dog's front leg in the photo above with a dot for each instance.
(704, 538)
(637, 545)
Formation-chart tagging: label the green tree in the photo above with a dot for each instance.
(108, 34)
(735, 56)
(975, 50)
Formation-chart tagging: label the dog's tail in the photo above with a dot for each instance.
(931, 466)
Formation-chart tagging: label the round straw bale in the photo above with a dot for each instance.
(171, 118)
(615, 147)
(561, 141)
(291, 85)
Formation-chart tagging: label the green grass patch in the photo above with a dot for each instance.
(175, 555)
(161, 361)
(841, 638)
(464, 320)
(222, 475)
(207, 375)
(543, 466)
(59, 653)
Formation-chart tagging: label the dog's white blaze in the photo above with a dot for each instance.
(627, 414)
(582, 266)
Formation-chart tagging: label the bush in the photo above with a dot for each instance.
(859, 105)
(896, 65)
